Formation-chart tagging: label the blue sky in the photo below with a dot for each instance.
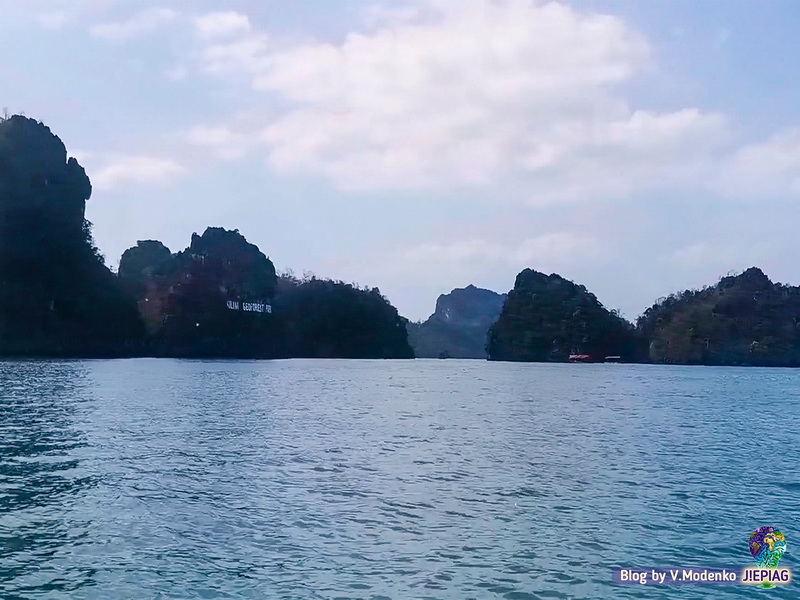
(638, 148)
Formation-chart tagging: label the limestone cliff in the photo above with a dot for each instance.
(458, 326)
(549, 318)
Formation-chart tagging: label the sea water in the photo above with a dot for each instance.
(437, 479)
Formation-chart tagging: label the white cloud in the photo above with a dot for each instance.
(718, 256)
(472, 93)
(247, 54)
(221, 24)
(222, 139)
(560, 248)
(136, 170)
(53, 20)
(639, 152)
(458, 252)
(544, 252)
(141, 23)
(763, 170)
(699, 252)
(177, 73)
(442, 94)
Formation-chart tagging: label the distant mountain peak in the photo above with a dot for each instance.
(458, 326)
(469, 305)
(755, 274)
(751, 278)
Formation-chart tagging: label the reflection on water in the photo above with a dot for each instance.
(142, 479)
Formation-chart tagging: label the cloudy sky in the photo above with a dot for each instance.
(638, 148)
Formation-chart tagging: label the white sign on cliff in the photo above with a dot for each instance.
(258, 307)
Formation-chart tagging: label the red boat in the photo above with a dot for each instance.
(583, 358)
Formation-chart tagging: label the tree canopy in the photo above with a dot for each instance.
(744, 319)
(56, 295)
(547, 318)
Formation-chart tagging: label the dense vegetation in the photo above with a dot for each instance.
(547, 318)
(56, 295)
(322, 318)
(458, 326)
(184, 299)
(58, 298)
(742, 320)
(216, 298)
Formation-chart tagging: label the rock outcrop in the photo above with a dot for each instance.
(548, 318)
(57, 297)
(458, 326)
(221, 298)
(744, 319)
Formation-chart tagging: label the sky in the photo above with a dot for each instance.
(637, 148)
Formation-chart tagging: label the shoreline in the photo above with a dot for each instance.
(56, 358)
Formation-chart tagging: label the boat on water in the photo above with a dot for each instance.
(588, 358)
(581, 358)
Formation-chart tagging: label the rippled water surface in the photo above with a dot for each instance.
(155, 479)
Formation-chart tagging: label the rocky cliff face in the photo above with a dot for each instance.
(547, 318)
(228, 259)
(148, 259)
(221, 298)
(458, 326)
(320, 318)
(742, 320)
(36, 176)
(195, 302)
(56, 295)
(147, 273)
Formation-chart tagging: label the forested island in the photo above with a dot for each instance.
(221, 297)
(743, 319)
(548, 318)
